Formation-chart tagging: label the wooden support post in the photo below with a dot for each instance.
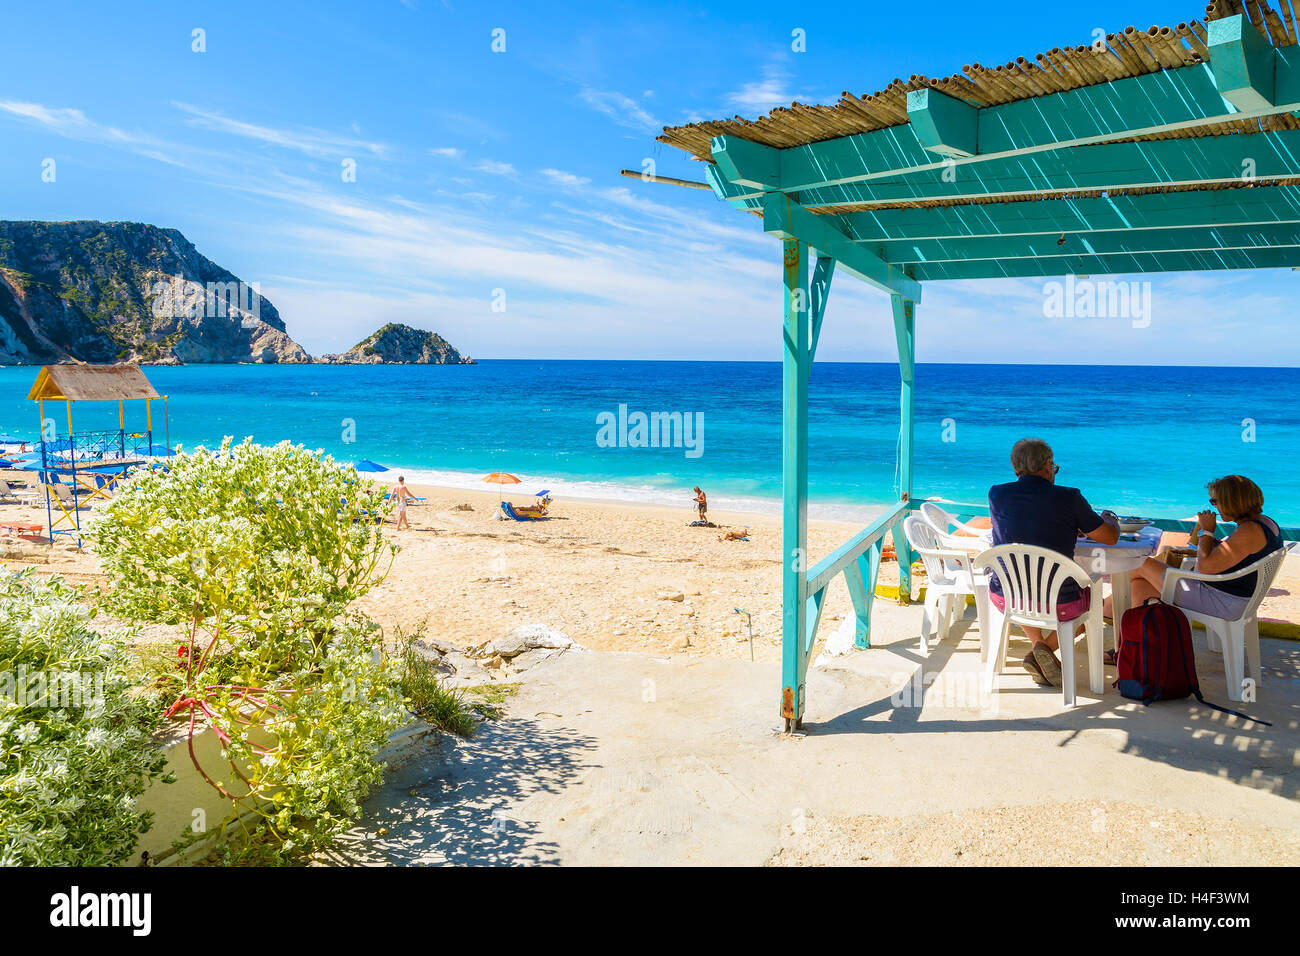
(794, 482)
(905, 332)
(860, 576)
(76, 503)
(45, 476)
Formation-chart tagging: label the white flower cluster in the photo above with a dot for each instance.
(68, 775)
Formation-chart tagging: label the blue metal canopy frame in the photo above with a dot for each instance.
(1195, 166)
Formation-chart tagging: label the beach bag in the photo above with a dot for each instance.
(1155, 660)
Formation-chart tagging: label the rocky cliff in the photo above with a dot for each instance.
(397, 344)
(126, 291)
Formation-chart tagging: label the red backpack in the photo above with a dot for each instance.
(1155, 660)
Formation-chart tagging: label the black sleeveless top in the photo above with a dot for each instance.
(1245, 587)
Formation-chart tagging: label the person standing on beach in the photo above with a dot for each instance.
(401, 493)
(701, 502)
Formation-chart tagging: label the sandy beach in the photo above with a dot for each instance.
(612, 576)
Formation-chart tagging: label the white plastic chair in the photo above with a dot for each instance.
(950, 577)
(1237, 640)
(943, 522)
(1031, 579)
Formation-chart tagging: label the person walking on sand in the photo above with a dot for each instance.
(702, 502)
(401, 493)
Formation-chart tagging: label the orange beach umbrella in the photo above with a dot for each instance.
(501, 478)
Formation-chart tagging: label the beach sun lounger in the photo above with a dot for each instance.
(22, 495)
(520, 514)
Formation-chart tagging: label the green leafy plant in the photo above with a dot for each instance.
(75, 748)
(423, 687)
(259, 551)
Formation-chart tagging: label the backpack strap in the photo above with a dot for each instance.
(1225, 710)
(1148, 626)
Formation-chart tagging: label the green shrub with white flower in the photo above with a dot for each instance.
(260, 552)
(75, 747)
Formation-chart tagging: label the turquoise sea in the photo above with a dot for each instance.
(1135, 439)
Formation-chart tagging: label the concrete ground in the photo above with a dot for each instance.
(625, 759)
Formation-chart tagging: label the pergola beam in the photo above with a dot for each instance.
(1134, 241)
(1121, 264)
(943, 125)
(1260, 205)
(1244, 63)
(1108, 166)
(788, 220)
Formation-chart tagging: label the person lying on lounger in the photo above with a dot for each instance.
(537, 509)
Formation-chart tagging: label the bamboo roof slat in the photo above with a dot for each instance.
(1289, 17)
(1125, 53)
(1196, 37)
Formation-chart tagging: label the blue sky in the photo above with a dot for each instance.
(478, 171)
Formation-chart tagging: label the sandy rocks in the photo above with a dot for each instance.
(500, 659)
(669, 595)
(527, 637)
(432, 650)
(465, 667)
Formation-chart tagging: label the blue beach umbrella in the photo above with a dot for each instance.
(11, 440)
(365, 464)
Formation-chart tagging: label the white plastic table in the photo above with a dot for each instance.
(1116, 562)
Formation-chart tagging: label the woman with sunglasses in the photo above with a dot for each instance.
(1238, 499)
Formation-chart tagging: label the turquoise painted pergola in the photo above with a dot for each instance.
(1173, 149)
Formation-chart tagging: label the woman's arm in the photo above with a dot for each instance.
(1215, 556)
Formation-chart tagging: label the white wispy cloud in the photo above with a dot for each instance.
(75, 124)
(447, 152)
(313, 142)
(773, 90)
(562, 178)
(494, 168)
(621, 109)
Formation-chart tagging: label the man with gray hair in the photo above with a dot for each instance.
(1035, 510)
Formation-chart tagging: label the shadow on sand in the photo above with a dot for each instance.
(452, 804)
(1179, 733)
